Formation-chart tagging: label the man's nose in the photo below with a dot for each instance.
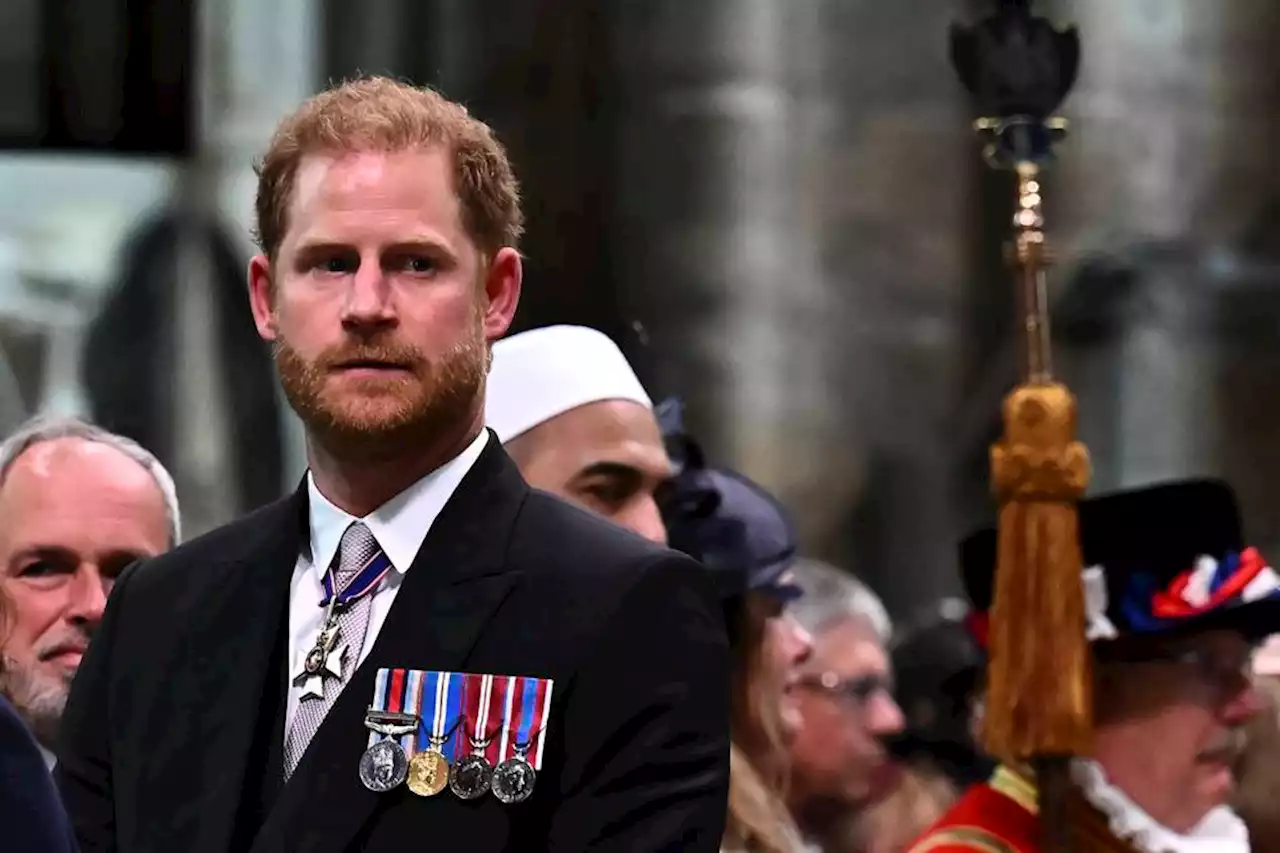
(369, 302)
(644, 518)
(1247, 703)
(88, 597)
(886, 716)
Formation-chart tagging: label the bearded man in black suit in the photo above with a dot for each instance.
(415, 649)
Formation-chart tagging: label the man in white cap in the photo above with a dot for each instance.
(578, 423)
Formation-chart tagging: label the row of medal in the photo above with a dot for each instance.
(473, 734)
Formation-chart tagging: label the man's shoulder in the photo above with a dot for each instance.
(581, 563)
(12, 729)
(964, 838)
(561, 537)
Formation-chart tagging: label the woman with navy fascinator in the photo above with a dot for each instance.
(745, 539)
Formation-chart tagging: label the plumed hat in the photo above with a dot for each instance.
(1164, 560)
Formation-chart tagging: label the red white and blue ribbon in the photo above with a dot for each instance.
(391, 692)
(455, 707)
(1210, 585)
(1242, 578)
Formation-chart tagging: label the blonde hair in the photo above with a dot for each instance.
(758, 819)
(380, 114)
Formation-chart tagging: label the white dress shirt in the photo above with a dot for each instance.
(400, 526)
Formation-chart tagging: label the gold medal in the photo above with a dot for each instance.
(428, 772)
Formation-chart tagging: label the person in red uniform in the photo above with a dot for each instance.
(1175, 605)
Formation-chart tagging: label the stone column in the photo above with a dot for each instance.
(791, 198)
(268, 63)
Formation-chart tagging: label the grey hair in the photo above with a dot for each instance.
(43, 428)
(832, 595)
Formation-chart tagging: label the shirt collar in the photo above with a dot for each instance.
(400, 525)
(1221, 831)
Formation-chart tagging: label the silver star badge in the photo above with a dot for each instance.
(312, 683)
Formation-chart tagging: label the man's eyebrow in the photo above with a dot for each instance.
(320, 244)
(610, 469)
(43, 551)
(60, 552)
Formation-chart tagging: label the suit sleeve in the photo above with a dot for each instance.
(30, 814)
(646, 725)
(83, 773)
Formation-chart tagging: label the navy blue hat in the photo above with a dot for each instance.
(725, 521)
(1159, 561)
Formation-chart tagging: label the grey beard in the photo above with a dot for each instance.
(39, 700)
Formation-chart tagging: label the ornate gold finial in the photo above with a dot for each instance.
(1019, 69)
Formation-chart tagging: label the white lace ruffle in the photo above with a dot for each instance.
(1221, 831)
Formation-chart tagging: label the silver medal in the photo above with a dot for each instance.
(323, 661)
(384, 766)
(471, 777)
(513, 780)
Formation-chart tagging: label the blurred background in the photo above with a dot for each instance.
(776, 207)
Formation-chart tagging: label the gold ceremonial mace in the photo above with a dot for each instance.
(1039, 682)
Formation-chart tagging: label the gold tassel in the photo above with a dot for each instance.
(1039, 679)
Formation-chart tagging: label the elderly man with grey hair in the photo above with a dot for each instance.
(77, 505)
(844, 699)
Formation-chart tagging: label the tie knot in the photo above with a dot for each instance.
(355, 551)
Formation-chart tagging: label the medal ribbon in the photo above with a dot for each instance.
(540, 721)
(477, 701)
(379, 699)
(452, 715)
(460, 742)
(492, 718)
(389, 694)
(443, 690)
(412, 705)
(528, 703)
(430, 689)
(365, 581)
(481, 726)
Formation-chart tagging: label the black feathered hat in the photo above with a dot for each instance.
(1161, 561)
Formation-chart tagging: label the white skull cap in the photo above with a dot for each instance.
(545, 372)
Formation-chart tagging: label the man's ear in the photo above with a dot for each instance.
(260, 297)
(502, 292)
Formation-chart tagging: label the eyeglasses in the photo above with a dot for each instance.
(1224, 672)
(857, 692)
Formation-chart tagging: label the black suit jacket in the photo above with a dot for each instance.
(31, 817)
(172, 734)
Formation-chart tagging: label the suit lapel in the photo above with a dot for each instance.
(455, 584)
(247, 608)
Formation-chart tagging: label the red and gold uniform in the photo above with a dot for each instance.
(1001, 816)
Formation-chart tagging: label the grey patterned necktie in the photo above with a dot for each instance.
(355, 551)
